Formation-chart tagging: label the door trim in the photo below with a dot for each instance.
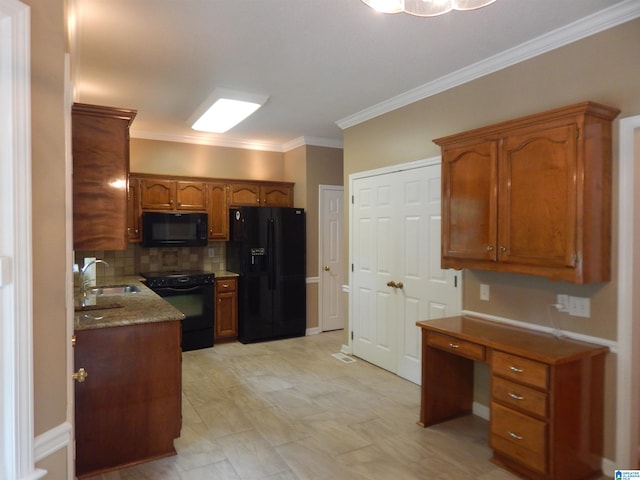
(16, 293)
(352, 179)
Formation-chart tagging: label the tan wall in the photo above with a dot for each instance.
(174, 158)
(600, 68)
(48, 44)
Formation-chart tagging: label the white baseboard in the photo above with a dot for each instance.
(346, 349)
(481, 411)
(313, 331)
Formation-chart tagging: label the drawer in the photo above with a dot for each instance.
(226, 285)
(519, 396)
(454, 345)
(519, 436)
(521, 369)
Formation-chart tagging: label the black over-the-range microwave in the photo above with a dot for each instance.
(172, 229)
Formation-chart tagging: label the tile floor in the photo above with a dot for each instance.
(289, 410)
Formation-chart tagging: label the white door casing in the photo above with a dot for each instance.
(395, 237)
(331, 257)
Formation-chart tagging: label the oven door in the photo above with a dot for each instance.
(196, 303)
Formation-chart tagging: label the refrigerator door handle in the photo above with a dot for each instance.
(271, 270)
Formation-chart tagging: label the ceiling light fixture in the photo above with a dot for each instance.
(224, 109)
(425, 8)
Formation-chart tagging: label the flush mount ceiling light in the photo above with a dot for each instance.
(224, 109)
(425, 8)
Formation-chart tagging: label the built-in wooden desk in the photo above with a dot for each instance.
(547, 393)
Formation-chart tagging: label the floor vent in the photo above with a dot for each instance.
(343, 358)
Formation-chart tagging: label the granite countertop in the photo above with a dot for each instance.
(225, 274)
(106, 311)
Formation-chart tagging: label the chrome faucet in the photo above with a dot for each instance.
(84, 282)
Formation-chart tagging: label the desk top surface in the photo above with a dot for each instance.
(511, 339)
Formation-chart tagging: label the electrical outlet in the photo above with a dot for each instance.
(562, 300)
(580, 307)
(212, 252)
(484, 292)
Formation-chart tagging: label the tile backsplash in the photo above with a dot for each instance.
(136, 259)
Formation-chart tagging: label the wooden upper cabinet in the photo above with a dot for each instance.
(159, 194)
(244, 194)
(261, 194)
(276, 195)
(134, 224)
(531, 195)
(100, 149)
(218, 211)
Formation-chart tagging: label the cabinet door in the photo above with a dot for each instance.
(218, 211)
(133, 211)
(469, 203)
(226, 321)
(157, 194)
(128, 410)
(276, 195)
(538, 197)
(241, 194)
(100, 147)
(191, 196)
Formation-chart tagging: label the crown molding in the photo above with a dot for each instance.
(585, 27)
(235, 143)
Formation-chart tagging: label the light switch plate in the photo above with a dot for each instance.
(580, 307)
(484, 292)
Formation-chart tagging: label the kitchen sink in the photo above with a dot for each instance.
(113, 290)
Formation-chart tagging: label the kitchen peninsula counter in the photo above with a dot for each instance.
(141, 307)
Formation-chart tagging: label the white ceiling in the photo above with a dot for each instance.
(322, 62)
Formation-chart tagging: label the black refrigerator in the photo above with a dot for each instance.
(267, 247)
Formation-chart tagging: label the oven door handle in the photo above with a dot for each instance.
(179, 289)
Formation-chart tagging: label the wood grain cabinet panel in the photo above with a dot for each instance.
(531, 195)
(172, 195)
(100, 149)
(128, 410)
(134, 223)
(226, 320)
(218, 211)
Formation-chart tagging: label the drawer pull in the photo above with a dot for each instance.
(516, 369)
(515, 396)
(515, 436)
(454, 345)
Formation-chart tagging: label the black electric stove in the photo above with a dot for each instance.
(191, 292)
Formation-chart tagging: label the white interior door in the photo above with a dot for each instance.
(397, 279)
(332, 257)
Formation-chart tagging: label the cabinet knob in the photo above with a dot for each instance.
(489, 248)
(503, 249)
(80, 376)
(327, 268)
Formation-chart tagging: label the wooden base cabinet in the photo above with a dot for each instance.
(547, 394)
(532, 195)
(128, 409)
(226, 318)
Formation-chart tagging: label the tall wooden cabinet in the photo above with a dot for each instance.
(100, 148)
(531, 195)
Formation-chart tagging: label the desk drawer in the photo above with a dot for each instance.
(520, 369)
(519, 436)
(519, 396)
(455, 345)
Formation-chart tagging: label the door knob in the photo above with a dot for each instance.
(391, 283)
(327, 268)
(81, 375)
(400, 285)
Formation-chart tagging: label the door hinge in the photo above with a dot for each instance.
(352, 268)
(353, 199)
(351, 334)
(455, 281)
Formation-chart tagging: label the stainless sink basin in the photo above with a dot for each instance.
(113, 290)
